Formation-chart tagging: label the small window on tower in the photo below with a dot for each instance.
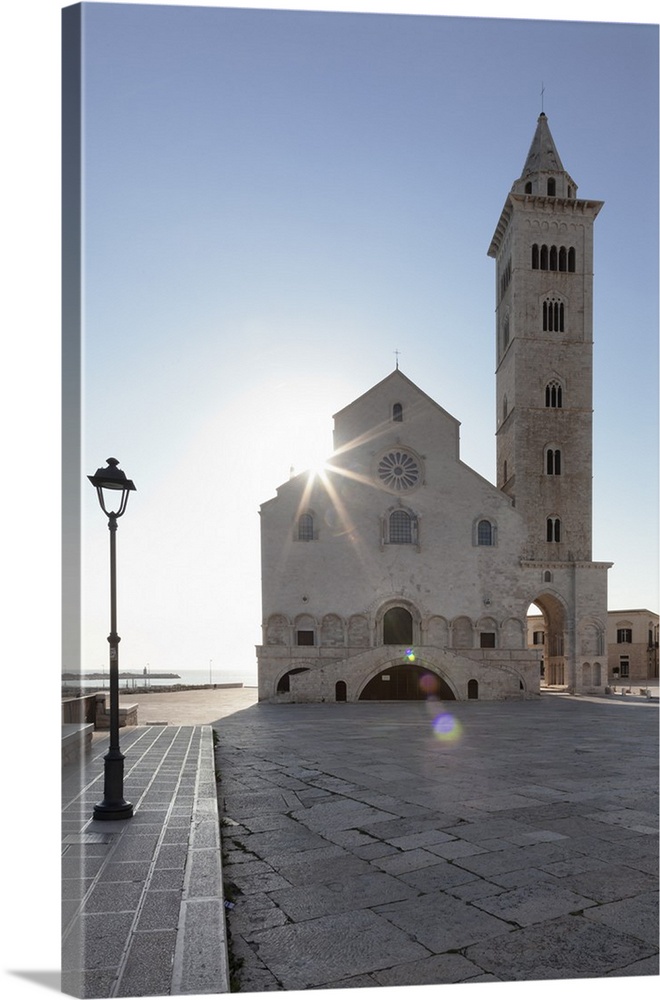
(552, 187)
(487, 640)
(553, 394)
(305, 637)
(397, 412)
(553, 530)
(553, 462)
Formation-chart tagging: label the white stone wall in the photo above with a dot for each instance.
(339, 583)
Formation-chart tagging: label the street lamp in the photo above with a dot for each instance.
(112, 489)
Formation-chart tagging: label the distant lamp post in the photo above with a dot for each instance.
(112, 489)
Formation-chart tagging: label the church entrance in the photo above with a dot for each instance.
(406, 682)
(398, 627)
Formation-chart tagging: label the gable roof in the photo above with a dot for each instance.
(396, 377)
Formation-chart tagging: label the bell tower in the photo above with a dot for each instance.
(543, 248)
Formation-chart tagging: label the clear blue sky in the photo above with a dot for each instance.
(276, 201)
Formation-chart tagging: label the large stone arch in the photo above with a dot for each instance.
(407, 680)
(555, 617)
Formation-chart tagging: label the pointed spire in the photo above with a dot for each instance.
(543, 153)
(544, 173)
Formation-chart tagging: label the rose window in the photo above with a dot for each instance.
(398, 471)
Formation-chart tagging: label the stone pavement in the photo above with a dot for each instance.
(143, 911)
(361, 847)
(405, 844)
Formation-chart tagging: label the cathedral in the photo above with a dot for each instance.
(397, 572)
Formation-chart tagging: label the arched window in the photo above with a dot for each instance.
(562, 258)
(340, 691)
(399, 526)
(306, 528)
(473, 689)
(547, 576)
(553, 316)
(553, 394)
(553, 530)
(553, 462)
(571, 259)
(397, 412)
(528, 187)
(484, 533)
(400, 532)
(553, 258)
(552, 187)
(544, 258)
(397, 627)
(535, 257)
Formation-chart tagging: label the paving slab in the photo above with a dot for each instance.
(317, 952)
(638, 915)
(569, 947)
(532, 904)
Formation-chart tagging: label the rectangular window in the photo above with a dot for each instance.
(624, 666)
(305, 637)
(624, 635)
(539, 638)
(487, 640)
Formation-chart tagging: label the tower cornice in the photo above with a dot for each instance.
(540, 204)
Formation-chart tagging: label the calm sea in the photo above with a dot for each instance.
(185, 677)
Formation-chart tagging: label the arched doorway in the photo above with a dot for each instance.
(283, 684)
(406, 682)
(546, 629)
(397, 627)
(340, 691)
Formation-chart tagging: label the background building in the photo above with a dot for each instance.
(632, 644)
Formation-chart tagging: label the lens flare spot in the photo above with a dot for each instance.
(410, 655)
(446, 728)
(428, 683)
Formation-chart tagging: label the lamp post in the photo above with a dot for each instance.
(112, 489)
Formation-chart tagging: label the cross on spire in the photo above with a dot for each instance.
(397, 352)
(542, 93)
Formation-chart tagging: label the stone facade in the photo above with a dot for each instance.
(399, 572)
(632, 638)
